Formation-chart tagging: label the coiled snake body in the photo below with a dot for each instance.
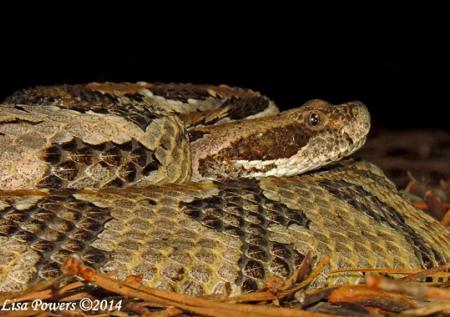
(195, 187)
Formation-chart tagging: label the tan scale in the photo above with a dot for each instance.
(60, 144)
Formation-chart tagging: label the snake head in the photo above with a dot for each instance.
(290, 143)
(342, 127)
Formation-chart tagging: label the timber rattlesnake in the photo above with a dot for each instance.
(246, 216)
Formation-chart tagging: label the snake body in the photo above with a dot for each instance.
(196, 188)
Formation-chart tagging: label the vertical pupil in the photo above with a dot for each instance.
(314, 119)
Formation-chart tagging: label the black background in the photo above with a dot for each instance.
(393, 58)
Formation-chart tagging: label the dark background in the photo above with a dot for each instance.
(393, 58)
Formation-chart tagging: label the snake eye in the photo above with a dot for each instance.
(314, 119)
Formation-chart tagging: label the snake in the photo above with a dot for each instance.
(198, 189)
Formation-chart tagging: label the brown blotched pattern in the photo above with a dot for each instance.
(51, 147)
(37, 232)
(139, 102)
(76, 164)
(54, 136)
(232, 109)
(197, 238)
(126, 102)
(180, 92)
(372, 206)
(241, 211)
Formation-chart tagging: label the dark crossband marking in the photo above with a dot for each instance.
(56, 227)
(230, 110)
(240, 108)
(180, 92)
(125, 163)
(241, 210)
(82, 98)
(134, 101)
(369, 204)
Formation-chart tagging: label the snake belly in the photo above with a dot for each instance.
(218, 235)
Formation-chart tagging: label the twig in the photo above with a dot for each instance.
(400, 271)
(314, 274)
(187, 303)
(426, 273)
(366, 296)
(417, 291)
